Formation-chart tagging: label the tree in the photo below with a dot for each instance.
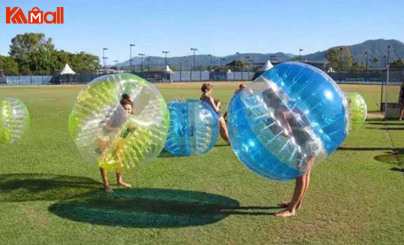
(8, 66)
(398, 62)
(238, 65)
(35, 54)
(32, 52)
(375, 61)
(356, 66)
(84, 62)
(339, 59)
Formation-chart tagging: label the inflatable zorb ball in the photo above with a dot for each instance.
(14, 120)
(357, 110)
(194, 127)
(107, 134)
(290, 117)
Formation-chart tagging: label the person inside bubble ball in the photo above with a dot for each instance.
(240, 88)
(110, 130)
(215, 104)
(294, 128)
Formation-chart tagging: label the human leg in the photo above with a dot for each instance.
(290, 210)
(121, 182)
(223, 130)
(301, 187)
(105, 180)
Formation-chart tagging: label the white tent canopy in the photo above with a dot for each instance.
(67, 70)
(330, 70)
(268, 65)
(228, 71)
(168, 69)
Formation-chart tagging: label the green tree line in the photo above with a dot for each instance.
(34, 54)
(339, 59)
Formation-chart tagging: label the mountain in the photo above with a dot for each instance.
(375, 48)
(206, 60)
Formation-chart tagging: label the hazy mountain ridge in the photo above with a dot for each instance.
(375, 48)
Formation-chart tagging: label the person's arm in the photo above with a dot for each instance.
(283, 117)
(109, 127)
(214, 106)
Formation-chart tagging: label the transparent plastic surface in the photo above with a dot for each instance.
(14, 120)
(357, 110)
(194, 127)
(290, 117)
(106, 134)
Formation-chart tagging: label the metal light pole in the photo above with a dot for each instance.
(366, 66)
(116, 64)
(210, 67)
(104, 58)
(130, 54)
(238, 59)
(381, 91)
(246, 58)
(340, 63)
(148, 63)
(180, 69)
(300, 55)
(193, 66)
(222, 59)
(194, 49)
(141, 61)
(387, 81)
(366, 61)
(165, 58)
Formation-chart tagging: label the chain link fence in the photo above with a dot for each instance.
(396, 76)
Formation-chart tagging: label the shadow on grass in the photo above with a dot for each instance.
(35, 187)
(385, 128)
(153, 208)
(395, 157)
(165, 154)
(397, 169)
(374, 119)
(363, 148)
(387, 123)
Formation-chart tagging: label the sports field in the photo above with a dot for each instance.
(49, 195)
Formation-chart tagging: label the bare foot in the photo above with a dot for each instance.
(285, 213)
(283, 204)
(124, 185)
(108, 189)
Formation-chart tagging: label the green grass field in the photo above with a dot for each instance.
(49, 195)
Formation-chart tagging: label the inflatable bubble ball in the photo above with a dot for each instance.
(288, 118)
(194, 127)
(357, 110)
(119, 121)
(14, 120)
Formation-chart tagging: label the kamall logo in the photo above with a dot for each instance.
(35, 16)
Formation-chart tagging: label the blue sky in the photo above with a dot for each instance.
(219, 27)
